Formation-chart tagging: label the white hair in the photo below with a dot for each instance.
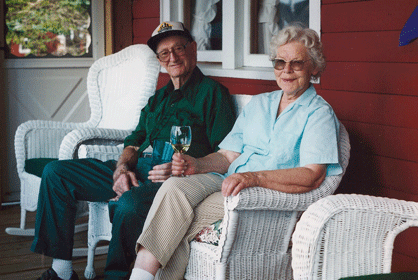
(308, 37)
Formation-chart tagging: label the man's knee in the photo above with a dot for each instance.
(53, 168)
(132, 203)
(53, 176)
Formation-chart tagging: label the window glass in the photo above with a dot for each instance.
(48, 28)
(269, 16)
(246, 27)
(205, 23)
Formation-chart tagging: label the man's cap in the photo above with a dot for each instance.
(166, 29)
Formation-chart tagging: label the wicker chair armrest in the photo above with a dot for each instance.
(102, 152)
(258, 198)
(350, 229)
(92, 136)
(40, 139)
(266, 199)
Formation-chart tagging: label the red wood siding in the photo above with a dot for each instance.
(372, 84)
(146, 17)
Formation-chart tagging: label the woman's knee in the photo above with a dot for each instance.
(171, 185)
(178, 188)
(191, 189)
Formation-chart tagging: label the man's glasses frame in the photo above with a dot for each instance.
(178, 50)
(280, 64)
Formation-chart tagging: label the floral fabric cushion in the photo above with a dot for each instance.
(211, 234)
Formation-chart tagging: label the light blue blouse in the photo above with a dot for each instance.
(306, 132)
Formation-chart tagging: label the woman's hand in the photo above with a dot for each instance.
(160, 172)
(123, 179)
(292, 180)
(183, 164)
(236, 182)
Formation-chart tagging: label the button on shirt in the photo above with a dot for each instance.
(306, 132)
(201, 103)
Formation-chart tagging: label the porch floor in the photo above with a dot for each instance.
(18, 262)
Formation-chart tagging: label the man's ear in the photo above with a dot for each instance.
(194, 46)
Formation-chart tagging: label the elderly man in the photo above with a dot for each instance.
(190, 99)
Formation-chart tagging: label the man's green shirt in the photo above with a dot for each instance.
(202, 103)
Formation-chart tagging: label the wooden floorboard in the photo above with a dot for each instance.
(18, 262)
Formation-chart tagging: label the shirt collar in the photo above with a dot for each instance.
(188, 89)
(306, 98)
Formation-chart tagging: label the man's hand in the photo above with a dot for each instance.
(123, 179)
(183, 165)
(236, 182)
(160, 172)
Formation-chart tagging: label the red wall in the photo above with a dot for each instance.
(372, 84)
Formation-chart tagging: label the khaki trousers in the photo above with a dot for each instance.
(182, 207)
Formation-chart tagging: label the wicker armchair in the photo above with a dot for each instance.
(256, 238)
(100, 228)
(348, 235)
(118, 87)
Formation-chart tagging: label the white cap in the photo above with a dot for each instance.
(166, 29)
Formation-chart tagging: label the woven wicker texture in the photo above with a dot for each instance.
(118, 86)
(349, 235)
(99, 223)
(114, 102)
(255, 240)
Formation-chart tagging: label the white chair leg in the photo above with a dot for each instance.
(89, 273)
(99, 229)
(22, 217)
(22, 231)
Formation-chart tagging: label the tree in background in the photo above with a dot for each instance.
(42, 27)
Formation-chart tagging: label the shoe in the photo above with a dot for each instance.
(50, 274)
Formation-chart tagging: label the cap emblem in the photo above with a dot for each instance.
(164, 27)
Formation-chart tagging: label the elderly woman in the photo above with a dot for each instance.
(286, 140)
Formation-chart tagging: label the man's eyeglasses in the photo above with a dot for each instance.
(179, 50)
(280, 64)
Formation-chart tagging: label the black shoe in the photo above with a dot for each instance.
(50, 274)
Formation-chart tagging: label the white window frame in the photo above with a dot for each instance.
(262, 60)
(97, 14)
(235, 60)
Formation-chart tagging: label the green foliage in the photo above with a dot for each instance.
(34, 23)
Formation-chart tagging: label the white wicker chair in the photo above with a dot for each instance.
(258, 224)
(100, 228)
(118, 87)
(349, 235)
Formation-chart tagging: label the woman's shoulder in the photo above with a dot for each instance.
(319, 103)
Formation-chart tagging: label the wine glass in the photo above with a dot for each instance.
(180, 138)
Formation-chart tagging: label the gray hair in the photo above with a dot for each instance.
(308, 37)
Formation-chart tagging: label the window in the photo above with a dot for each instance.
(48, 29)
(44, 33)
(233, 35)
